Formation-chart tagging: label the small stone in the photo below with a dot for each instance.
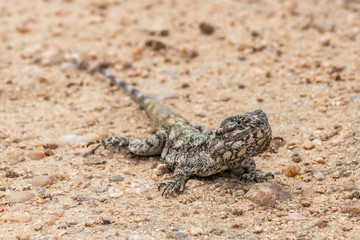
(346, 228)
(2, 188)
(42, 181)
(48, 152)
(296, 158)
(325, 40)
(321, 224)
(196, 231)
(316, 141)
(349, 185)
(355, 194)
(258, 229)
(336, 175)
(206, 28)
(320, 189)
(319, 176)
(267, 194)
(238, 212)
(50, 146)
(292, 170)
(176, 235)
(319, 160)
(77, 139)
(100, 189)
(116, 178)
(19, 196)
(105, 220)
(155, 45)
(308, 145)
(353, 206)
(16, 217)
(307, 191)
(161, 169)
(11, 174)
(305, 203)
(36, 155)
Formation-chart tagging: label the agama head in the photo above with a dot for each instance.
(239, 136)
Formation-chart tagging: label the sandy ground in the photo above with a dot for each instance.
(299, 61)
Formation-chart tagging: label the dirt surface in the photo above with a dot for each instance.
(299, 61)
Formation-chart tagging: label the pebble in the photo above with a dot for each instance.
(348, 185)
(176, 235)
(11, 174)
(305, 203)
(105, 220)
(292, 170)
(353, 206)
(336, 175)
(321, 224)
(19, 196)
(36, 155)
(206, 28)
(196, 231)
(320, 189)
(308, 145)
(42, 181)
(316, 141)
(267, 194)
(16, 217)
(100, 189)
(258, 230)
(50, 145)
(355, 97)
(77, 139)
(319, 160)
(346, 228)
(155, 45)
(116, 178)
(319, 176)
(307, 191)
(295, 157)
(161, 169)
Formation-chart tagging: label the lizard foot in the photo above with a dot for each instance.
(256, 177)
(119, 141)
(171, 186)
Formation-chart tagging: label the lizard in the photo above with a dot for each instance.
(191, 150)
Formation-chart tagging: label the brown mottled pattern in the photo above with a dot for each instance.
(195, 150)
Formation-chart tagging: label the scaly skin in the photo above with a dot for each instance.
(195, 150)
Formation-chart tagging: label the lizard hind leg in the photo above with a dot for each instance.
(150, 146)
(114, 141)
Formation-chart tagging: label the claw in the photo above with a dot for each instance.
(170, 187)
(110, 141)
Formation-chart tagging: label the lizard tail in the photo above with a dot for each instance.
(138, 96)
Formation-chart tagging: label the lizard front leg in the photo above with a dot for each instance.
(177, 183)
(150, 146)
(246, 169)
